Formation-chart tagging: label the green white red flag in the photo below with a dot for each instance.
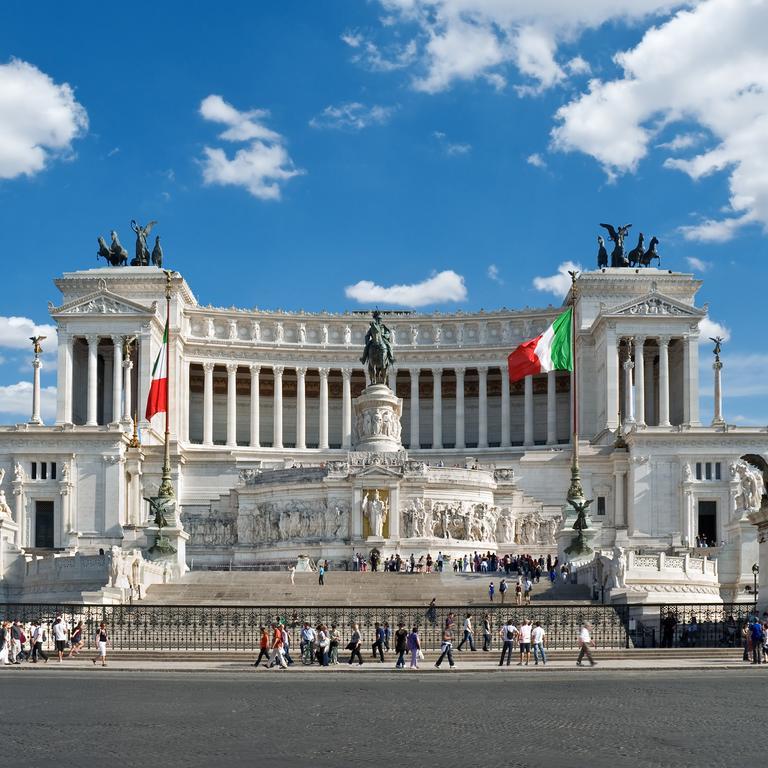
(550, 351)
(157, 401)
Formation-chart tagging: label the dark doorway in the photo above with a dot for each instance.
(44, 524)
(708, 522)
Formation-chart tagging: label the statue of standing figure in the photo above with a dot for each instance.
(142, 251)
(617, 234)
(375, 511)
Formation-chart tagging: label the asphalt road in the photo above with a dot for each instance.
(577, 718)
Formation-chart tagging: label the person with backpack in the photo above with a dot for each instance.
(38, 637)
(503, 589)
(756, 633)
(508, 636)
(101, 643)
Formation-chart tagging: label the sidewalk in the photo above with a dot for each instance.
(229, 666)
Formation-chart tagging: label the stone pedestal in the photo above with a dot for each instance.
(376, 420)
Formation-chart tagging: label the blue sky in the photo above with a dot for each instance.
(290, 150)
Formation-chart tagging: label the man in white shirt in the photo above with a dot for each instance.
(537, 638)
(525, 642)
(469, 635)
(508, 636)
(585, 640)
(60, 636)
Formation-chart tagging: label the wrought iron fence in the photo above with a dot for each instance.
(230, 628)
(692, 625)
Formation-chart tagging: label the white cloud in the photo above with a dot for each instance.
(38, 119)
(353, 39)
(716, 78)
(451, 148)
(370, 55)
(699, 264)
(442, 287)
(262, 167)
(16, 400)
(709, 329)
(493, 274)
(682, 141)
(743, 374)
(15, 333)
(536, 160)
(560, 283)
(352, 116)
(464, 40)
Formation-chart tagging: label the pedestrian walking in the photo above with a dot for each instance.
(76, 641)
(537, 638)
(387, 635)
(413, 643)
(508, 636)
(446, 648)
(263, 647)
(378, 642)
(432, 611)
(401, 645)
(668, 626)
(60, 637)
(469, 635)
(321, 575)
(354, 646)
(335, 638)
(37, 640)
(503, 589)
(585, 641)
(102, 638)
(526, 630)
(756, 632)
(487, 632)
(277, 654)
(4, 634)
(323, 645)
(491, 590)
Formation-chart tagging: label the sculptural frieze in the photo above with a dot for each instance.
(750, 488)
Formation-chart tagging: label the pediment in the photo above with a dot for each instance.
(379, 471)
(103, 302)
(653, 304)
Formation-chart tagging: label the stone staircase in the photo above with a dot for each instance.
(345, 588)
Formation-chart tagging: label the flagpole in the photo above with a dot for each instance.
(575, 491)
(166, 486)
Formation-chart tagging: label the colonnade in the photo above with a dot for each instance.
(414, 404)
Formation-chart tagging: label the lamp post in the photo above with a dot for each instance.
(755, 574)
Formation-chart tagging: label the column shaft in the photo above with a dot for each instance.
(64, 379)
(127, 388)
(36, 364)
(255, 371)
(232, 405)
(301, 408)
(482, 407)
(460, 438)
(618, 500)
(611, 381)
(323, 427)
(505, 415)
(528, 411)
(208, 404)
(277, 406)
(640, 380)
(437, 408)
(664, 381)
(117, 377)
(346, 408)
(650, 390)
(551, 407)
(415, 439)
(93, 350)
(691, 382)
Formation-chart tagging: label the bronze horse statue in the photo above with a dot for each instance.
(115, 254)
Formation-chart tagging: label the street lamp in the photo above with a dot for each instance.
(755, 573)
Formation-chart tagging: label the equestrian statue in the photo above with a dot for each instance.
(378, 350)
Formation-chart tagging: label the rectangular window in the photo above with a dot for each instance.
(708, 470)
(33, 473)
(601, 505)
(43, 470)
(53, 470)
(718, 475)
(698, 470)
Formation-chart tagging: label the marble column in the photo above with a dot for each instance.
(718, 419)
(127, 388)
(460, 438)
(323, 426)
(255, 413)
(629, 401)
(346, 408)
(232, 405)
(277, 407)
(64, 376)
(650, 388)
(640, 380)
(145, 370)
(528, 411)
(482, 407)
(506, 428)
(664, 381)
(611, 380)
(392, 378)
(551, 407)
(619, 506)
(36, 365)
(415, 439)
(184, 400)
(117, 381)
(208, 403)
(93, 351)
(437, 408)
(691, 381)
(301, 408)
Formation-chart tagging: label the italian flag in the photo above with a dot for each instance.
(157, 402)
(551, 351)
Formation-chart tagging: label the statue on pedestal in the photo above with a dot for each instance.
(142, 251)
(375, 510)
(618, 259)
(378, 350)
(579, 545)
